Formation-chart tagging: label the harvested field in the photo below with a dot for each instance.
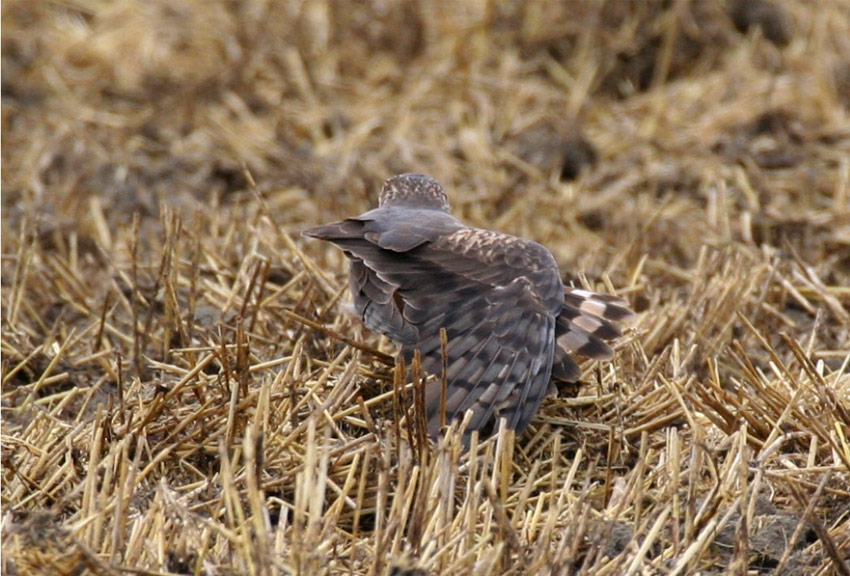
(182, 393)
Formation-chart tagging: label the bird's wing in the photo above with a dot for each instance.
(377, 303)
(500, 350)
(390, 232)
(497, 297)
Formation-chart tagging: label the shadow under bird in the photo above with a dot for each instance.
(511, 323)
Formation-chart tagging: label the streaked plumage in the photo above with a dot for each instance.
(511, 324)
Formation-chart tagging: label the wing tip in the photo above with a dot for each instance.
(321, 232)
(343, 230)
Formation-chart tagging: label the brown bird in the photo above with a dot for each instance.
(510, 321)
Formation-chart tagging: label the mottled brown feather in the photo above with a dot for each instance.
(511, 324)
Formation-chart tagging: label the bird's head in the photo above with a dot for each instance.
(414, 191)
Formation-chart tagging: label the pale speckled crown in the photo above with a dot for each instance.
(414, 191)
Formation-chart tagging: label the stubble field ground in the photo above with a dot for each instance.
(182, 394)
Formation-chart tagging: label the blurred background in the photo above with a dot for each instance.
(160, 157)
(543, 117)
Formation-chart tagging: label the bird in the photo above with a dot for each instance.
(512, 326)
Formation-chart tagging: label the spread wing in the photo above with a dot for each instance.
(497, 297)
(390, 232)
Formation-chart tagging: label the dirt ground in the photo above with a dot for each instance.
(182, 393)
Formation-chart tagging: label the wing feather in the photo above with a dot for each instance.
(510, 322)
(496, 295)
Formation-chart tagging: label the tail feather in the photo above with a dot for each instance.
(596, 325)
(599, 305)
(584, 323)
(564, 368)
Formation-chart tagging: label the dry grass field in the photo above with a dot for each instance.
(182, 394)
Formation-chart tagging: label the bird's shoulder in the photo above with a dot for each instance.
(493, 247)
(401, 229)
(513, 269)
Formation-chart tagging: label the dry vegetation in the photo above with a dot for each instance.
(182, 395)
